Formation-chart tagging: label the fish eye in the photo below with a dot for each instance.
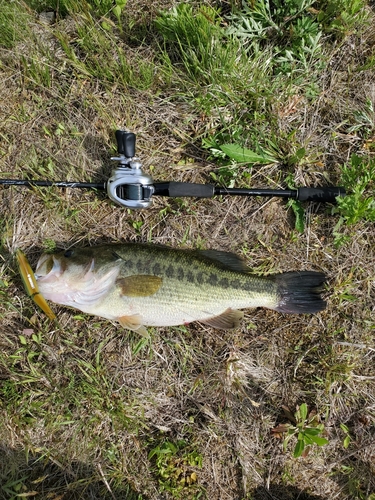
(68, 253)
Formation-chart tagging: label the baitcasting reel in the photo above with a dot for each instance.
(129, 185)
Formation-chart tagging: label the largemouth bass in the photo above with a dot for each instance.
(138, 285)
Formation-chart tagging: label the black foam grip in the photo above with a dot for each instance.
(180, 189)
(125, 143)
(326, 194)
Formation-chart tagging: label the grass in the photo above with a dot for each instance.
(257, 94)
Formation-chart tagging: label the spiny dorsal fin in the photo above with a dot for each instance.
(226, 259)
(228, 319)
(141, 285)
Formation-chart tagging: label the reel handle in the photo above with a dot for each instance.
(125, 143)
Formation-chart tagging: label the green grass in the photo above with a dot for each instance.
(258, 94)
(11, 14)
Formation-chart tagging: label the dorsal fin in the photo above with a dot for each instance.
(226, 259)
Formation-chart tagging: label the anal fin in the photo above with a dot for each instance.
(228, 319)
(134, 323)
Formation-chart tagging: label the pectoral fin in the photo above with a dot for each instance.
(141, 285)
(228, 319)
(134, 323)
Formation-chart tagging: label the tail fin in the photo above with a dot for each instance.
(299, 292)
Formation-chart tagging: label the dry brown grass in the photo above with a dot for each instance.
(82, 403)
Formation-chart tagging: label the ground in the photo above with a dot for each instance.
(90, 410)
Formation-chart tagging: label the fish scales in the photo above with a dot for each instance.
(193, 279)
(139, 285)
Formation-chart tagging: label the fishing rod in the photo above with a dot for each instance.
(130, 187)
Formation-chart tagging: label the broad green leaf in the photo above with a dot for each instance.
(298, 450)
(117, 11)
(300, 153)
(244, 155)
(299, 213)
(344, 428)
(312, 431)
(106, 26)
(319, 440)
(307, 439)
(303, 412)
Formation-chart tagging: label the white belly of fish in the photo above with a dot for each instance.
(164, 309)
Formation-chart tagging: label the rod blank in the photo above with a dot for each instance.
(60, 184)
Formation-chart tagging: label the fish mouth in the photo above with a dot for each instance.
(48, 268)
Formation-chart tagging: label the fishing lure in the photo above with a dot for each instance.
(31, 287)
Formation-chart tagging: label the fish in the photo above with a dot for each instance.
(141, 285)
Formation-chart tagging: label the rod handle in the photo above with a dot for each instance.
(182, 189)
(324, 194)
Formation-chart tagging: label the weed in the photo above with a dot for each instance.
(229, 174)
(306, 429)
(36, 72)
(94, 52)
(340, 17)
(194, 39)
(288, 26)
(365, 120)
(296, 206)
(176, 468)
(358, 177)
(347, 437)
(299, 214)
(244, 155)
(97, 8)
(12, 15)
(118, 9)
